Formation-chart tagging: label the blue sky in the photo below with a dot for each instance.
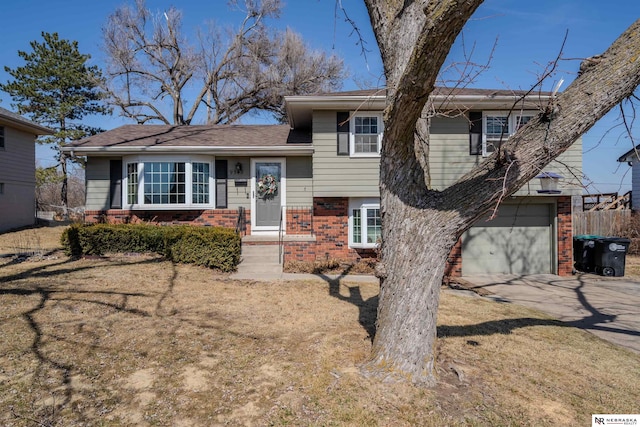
(526, 35)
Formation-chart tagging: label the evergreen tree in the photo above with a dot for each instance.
(57, 88)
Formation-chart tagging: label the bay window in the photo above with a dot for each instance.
(158, 183)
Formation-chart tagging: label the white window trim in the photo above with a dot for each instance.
(352, 138)
(187, 160)
(511, 123)
(362, 205)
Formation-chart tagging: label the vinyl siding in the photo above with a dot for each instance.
(97, 180)
(17, 173)
(299, 176)
(238, 196)
(299, 181)
(18, 158)
(339, 176)
(17, 204)
(635, 185)
(449, 158)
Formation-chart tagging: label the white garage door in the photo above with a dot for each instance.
(517, 241)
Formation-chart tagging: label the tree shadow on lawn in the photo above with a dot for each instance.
(48, 367)
(368, 309)
(595, 321)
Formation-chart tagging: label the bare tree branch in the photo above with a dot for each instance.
(232, 72)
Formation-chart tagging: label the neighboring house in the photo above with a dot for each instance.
(315, 182)
(631, 158)
(18, 170)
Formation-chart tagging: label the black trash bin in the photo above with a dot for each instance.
(610, 255)
(583, 252)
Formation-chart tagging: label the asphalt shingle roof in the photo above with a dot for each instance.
(197, 136)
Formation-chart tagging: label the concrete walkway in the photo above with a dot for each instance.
(609, 307)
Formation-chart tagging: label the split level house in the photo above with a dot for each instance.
(313, 184)
(18, 170)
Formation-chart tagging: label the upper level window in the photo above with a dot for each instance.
(365, 134)
(1, 137)
(159, 183)
(497, 126)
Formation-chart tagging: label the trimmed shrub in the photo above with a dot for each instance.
(196, 246)
(212, 247)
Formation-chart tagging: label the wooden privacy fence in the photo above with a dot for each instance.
(602, 223)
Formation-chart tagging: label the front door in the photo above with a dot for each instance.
(268, 194)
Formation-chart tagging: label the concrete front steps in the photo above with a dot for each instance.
(260, 257)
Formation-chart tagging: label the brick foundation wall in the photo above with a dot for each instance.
(565, 236)
(300, 251)
(214, 218)
(331, 228)
(299, 220)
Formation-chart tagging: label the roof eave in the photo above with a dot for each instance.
(223, 150)
(30, 127)
(299, 108)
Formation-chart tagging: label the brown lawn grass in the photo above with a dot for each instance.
(141, 341)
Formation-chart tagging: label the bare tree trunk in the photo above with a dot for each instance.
(64, 188)
(420, 226)
(410, 291)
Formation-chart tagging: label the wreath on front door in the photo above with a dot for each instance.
(267, 186)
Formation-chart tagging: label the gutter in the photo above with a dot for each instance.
(224, 150)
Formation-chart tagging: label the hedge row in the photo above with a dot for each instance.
(211, 247)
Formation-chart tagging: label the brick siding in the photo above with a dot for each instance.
(565, 236)
(454, 261)
(214, 218)
(331, 228)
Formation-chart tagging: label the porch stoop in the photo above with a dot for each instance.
(259, 260)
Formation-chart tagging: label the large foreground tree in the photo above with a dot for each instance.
(420, 225)
(57, 88)
(156, 75)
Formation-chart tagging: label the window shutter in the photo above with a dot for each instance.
(115, 184)
(221, 183)
(475, 132)
(342, 130)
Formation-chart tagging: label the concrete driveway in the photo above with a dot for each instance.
(609, 307)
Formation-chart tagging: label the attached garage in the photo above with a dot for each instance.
(520, 240)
